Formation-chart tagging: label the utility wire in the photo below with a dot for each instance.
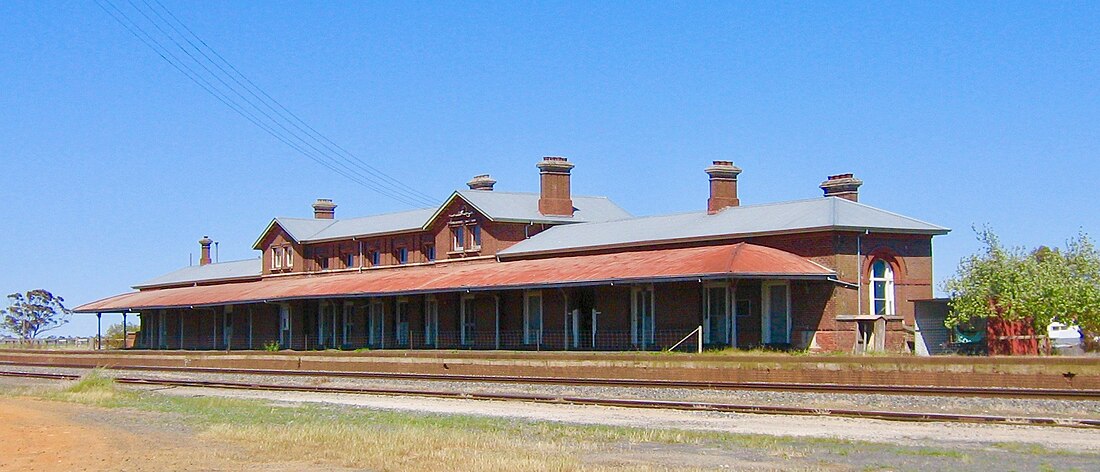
(313, 132)
(165, 54)
(259, 111)
(345, 163)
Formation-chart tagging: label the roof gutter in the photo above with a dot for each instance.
(582, 283)
(656, 243)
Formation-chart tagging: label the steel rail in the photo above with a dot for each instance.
(998, 392)
(590, 401)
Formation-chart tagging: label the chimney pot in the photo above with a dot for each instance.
(845, 186)
(723, 186)
(204, 257)
(324, 209)
(554, 197)
(481, 182)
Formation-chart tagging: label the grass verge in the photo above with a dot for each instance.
(382, 440)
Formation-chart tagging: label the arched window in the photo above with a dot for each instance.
(882, 288)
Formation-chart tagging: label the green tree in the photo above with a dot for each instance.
(33, 313)
(113, 338)
(1039, 286)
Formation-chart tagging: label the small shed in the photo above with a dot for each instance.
(931, 335)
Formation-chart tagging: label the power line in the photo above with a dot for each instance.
(346, 164)
(165, 54)
(325, 140)
(276, 120)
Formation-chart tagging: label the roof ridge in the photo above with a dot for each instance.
(899, 215)
(226, 262)
(510, 192)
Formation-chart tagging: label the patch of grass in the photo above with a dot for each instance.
(932, 452)
(93, 388)
(1030, 449)
(386, 440)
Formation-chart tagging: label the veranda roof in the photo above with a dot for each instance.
(709, 262)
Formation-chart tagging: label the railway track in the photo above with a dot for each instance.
(575, 400)
(999, 392)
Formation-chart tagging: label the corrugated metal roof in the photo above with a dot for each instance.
(497, 206)
(802, 215)
(377, 224)
(524, 207)
(248, 268)
(731, 260)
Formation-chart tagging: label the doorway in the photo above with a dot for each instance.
(776, 313)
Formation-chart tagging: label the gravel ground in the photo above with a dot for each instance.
(887, 445)
(1078, 409)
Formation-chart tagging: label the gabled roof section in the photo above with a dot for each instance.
(217, 272)
(370, 225)
(311, 230)
(522, 207)
(816, 214)
(297, 228)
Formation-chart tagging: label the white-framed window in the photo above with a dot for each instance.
(458, 234)
(532, 317)
(475, 236)
(776, 312)
(402, 255)
(289, 253)
(642, 319)
(882, 288)
(276, 258)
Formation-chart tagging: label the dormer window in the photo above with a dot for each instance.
(375, 258)
(402, 255)
(349, 260)
(459, 234)
(475, 236)
(276, 258)
(289, 252)
(429, 252)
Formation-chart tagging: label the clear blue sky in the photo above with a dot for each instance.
(959, 113)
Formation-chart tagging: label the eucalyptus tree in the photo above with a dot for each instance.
(32, 313)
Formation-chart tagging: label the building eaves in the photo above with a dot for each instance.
(799, 216)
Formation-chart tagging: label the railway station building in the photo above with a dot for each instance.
(555, 271)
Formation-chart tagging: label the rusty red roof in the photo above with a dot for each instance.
(731, 260)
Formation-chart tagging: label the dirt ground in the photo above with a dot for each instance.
(40, 435)
(37, 435)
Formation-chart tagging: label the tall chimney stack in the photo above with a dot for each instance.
(481, 182)
(723, 186)
(842, 185)
(324, 209)
(555, 198)
(204, 257)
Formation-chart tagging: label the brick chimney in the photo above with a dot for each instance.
(481, 182)
(324, 209)
(204, 257)
(723, 186)
(555, 197)
(842, 185)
